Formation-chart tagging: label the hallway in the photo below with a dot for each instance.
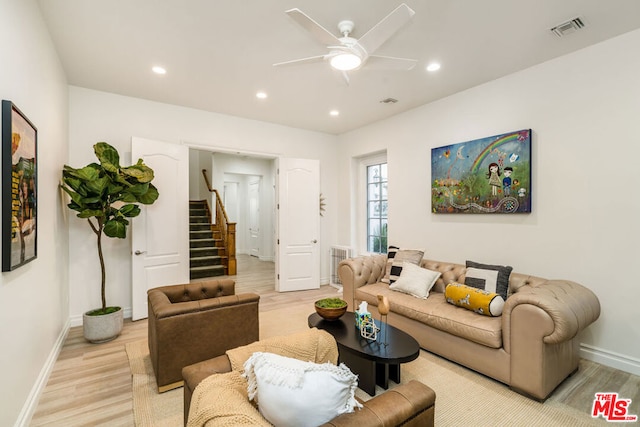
(258, 276)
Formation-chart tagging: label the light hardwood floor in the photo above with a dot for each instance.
(90, 384)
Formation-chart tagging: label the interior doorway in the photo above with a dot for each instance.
(246, 184)
(277, 213)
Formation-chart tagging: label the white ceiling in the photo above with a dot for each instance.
(219, 53)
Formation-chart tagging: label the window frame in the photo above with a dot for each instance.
(362, 218)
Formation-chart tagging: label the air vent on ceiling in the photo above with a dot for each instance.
(389, 101)
(568, 27)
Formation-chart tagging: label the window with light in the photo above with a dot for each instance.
(377, 208)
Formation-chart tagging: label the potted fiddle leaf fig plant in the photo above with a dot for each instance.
(107, 195)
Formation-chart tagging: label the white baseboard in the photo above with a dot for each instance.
(31, 404)
(610, 358)
(260, 257)
(338, 287)
(75, 321)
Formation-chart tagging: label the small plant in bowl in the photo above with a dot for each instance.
(331, 308)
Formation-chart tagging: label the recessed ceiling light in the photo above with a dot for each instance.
(159, 70)
(434, 66)
(334, 113)
(261, 95)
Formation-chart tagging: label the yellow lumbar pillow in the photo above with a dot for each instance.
(474, 299)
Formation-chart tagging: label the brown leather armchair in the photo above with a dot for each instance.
(195, 322)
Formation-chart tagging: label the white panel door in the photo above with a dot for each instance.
(254, 217)
(298, 266)
(230, 200)
(160, 234)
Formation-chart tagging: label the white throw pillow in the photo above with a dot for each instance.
(415, 280)
(290, 392)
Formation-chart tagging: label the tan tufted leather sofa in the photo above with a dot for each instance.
(408, 405)
(194, 322)
(532, 347)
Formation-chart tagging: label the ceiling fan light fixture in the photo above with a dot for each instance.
(346, 61)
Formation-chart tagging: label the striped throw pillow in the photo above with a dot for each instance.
(395, 258)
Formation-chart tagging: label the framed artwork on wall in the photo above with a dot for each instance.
(487, 175)
(19, 188)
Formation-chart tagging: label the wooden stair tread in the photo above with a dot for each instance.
(212, 257)
(207, 252)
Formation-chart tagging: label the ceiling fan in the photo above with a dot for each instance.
(347, 53)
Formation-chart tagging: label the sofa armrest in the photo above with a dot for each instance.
(570, 306)
(360, 271)
(411, 404)
(541, 323)
(194, 374)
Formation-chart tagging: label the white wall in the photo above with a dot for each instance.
(583, 109)
(195, 175)
(99, 116)
(228, 164)
(205, 163)
(34, 306)
(235, 191)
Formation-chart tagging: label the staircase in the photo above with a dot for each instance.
(207, 254)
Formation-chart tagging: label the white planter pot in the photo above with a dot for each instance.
(102, 328)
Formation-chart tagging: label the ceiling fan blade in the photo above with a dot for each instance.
(318, 32)
(345, 76)
(390, 63)
(318, 58)
(383, 30)
(341, 76)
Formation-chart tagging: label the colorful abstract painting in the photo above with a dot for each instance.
(487, 175)
(19, 188)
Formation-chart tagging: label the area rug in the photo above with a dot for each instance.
(463, 397)
(150, 408)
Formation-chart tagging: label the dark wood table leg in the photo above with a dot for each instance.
(394, 372)
(364, 369)
(382, 375)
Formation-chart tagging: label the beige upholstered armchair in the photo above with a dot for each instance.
(195, 322)
(208, 401)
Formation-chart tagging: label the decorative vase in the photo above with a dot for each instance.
(383, 308)
(102, 328)
(383, 305)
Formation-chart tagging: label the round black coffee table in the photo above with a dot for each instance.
(372, 361)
